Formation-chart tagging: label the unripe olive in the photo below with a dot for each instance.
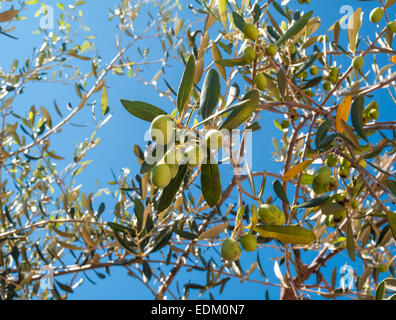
(345, 163)
(326, 85)
(214, 139)
(374, 114)
(173, 158)
(331, 160)
(318, 188)
(285, 124)
(230, 250)
(358, 62)
(376, 15)
(271, 215)
(249, 242)
(332, 79)
(249, 54)
(162, 129)
(310, 93)
(293, 49)
(322, 176)
(261, 81)
(314, 70)
(392, 26)
(334, 71)
(344, 172)
(160, 175)
(304, 75)
(271, 49)
(251, 31)
(195, 155)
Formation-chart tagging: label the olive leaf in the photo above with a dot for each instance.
(295, 28)
(142, 110)
(279, 191)
(392, 222)
(350, 240)
(306, 65)
(169, 192)
(343, 113)
(322, 132)
(315, 202)
(231, 62)
(186, 84)
(290, 174)
(287, 234)
(210, 93)
(357, 116)
(211, 183)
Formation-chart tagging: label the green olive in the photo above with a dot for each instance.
(173, 158)
(251, 31)
(322, 176)
(358, 62)
(160, 175)
(271, 215)
(249, 242)
(271, 49)
(314, 70)
(261, 81)
(230, 250)
(318, 188)
(376, 15)
(249, 54)
(392, 26)
(162, 129)
(331, 160)
(374, 114)
(327, 85)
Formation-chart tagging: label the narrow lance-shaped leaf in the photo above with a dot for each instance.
(392, 223)
(222, 6)
(343, 112)
(211, 183)
(279, 191)
(296, 170)
(295, 28)
(322, 132)
(357, 116)
(231, 62)
(186, 84)
(217, 56)
(142, 110)
(169, 192)
(350, 240)
(287, 234)
(354, 24)
(210, 93)
(315, 202)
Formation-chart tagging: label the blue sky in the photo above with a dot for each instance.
(119, 135)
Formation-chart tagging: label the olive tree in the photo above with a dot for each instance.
(334, 191)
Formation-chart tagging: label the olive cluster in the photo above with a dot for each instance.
(268, 214)
(188, 148)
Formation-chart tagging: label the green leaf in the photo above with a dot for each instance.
(287, 234)
(357, 116)
(210, 93)
(142, 110)
(350, 240)
(295, 28)
(279, 191)
(104, 101)
(231, 62)
(186, 84)
(211, 183)
(243, 112)
(322, 132)
(314, 202)
(392, 222)
(312, 83)
(380, 291)
(169, 192)
(306, 65)
(238, 21)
